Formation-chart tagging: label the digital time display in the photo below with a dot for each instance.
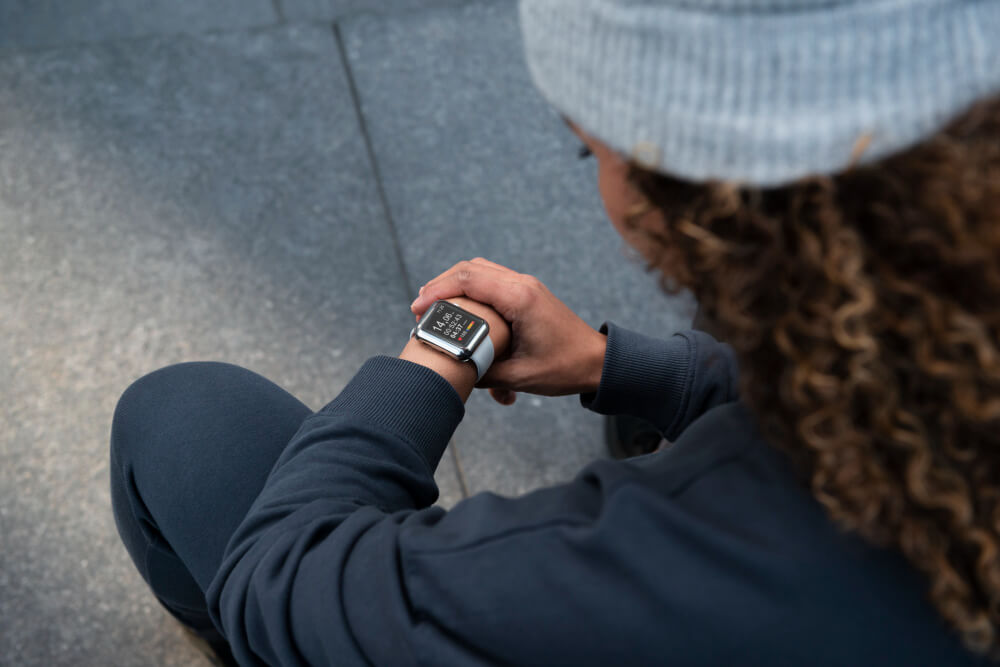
(453, 324)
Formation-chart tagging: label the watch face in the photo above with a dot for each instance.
(452, 324)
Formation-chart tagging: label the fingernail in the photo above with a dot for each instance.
(412, 305)
(421, 291)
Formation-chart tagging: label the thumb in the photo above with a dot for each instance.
(503, 396)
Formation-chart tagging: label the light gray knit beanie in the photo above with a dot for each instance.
(761, 91)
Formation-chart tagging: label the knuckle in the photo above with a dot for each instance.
(532, 283)
(517, 378)
(524, 295)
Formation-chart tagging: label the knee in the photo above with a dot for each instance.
(155, 404)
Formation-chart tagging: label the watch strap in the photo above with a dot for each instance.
(482, 357)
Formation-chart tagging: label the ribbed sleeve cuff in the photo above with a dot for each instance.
(404, 398)
(643, 376)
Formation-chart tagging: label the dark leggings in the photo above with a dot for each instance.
(191, 446)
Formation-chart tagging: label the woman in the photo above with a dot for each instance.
(825, 177)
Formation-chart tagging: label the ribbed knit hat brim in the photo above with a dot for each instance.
(761, 92)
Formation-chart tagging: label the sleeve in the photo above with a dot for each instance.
(668, 382)
(318, 548)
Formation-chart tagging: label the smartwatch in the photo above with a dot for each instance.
(458, 333)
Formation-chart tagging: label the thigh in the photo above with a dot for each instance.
(191, 446)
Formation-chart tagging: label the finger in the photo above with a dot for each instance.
(485, 284)
(463, 266)
(420, 303)
(482, 261)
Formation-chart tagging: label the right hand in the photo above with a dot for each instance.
(552, 351)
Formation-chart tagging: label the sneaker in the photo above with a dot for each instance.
(630, 436)
(221, 658)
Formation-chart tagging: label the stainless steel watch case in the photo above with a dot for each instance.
(446, 346)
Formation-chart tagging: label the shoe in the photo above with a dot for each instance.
(219, 658)
(630, 436)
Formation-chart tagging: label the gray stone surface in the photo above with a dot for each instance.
(167, 197)
(165, 200)
(475, 162)
(318, 10)
(448, 479)
(40, 23)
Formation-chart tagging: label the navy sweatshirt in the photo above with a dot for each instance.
(707, 553)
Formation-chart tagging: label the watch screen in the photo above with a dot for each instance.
(452, 324)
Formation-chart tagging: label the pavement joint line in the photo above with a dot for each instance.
(279, 11)
(356, 99)
(407, 281)
(462, 481)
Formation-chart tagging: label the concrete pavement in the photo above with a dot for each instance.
(261, 183)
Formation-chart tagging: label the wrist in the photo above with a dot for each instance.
(459, 374)
(462, 375)
(595, 365)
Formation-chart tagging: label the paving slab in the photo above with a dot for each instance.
(475, 162)
(43, 23)
(165, 200)
(329, 10)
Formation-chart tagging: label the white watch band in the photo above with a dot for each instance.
(483, 357)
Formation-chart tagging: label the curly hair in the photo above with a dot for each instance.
(864, 309)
